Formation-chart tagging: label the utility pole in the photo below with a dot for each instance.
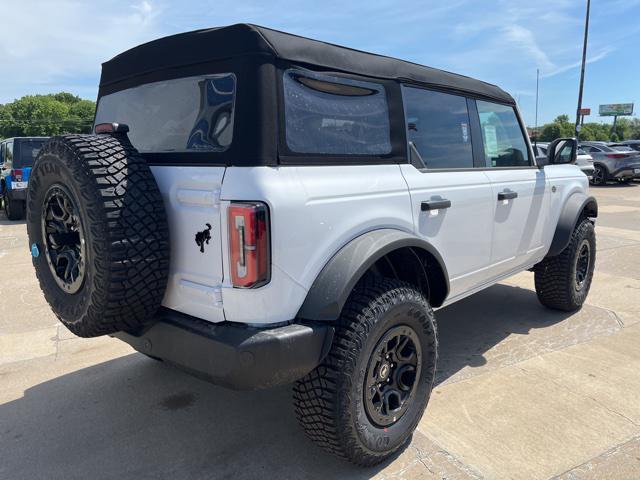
(584, 60)
(536, 128)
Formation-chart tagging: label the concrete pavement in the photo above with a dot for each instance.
(523, 392)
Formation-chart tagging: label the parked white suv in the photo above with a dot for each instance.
(259, 209)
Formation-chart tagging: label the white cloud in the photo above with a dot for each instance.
(590, 59)
(48, 46)
(524, 40)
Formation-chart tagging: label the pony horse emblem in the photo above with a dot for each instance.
(203, 237)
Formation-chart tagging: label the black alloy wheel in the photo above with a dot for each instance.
(392, 374)
(63, 238)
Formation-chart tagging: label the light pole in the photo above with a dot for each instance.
(584, 60)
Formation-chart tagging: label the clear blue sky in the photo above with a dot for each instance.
(50, 45)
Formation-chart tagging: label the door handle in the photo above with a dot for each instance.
(507, 195)
(440, 204)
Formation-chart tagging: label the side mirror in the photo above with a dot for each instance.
(562, 150)
(542, 160)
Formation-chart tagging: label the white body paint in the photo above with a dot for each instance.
(316, 210)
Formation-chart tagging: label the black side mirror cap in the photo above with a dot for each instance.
(562, 150)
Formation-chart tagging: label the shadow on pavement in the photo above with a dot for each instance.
(133, 417)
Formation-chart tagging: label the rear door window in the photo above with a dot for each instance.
(179, 115)
(438, 128)
(326, 114)
(504, 141)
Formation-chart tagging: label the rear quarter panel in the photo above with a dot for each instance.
(314, 212)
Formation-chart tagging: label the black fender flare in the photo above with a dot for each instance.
(334, 283)
(572, 211)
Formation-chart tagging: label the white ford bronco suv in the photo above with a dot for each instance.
(260, 209)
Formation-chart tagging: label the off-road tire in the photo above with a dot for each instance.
(555, 277)
(125, 228)
(329, 401)
(597, 178)
(14, 209)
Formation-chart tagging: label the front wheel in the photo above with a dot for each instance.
(366, 398)
(563, 282)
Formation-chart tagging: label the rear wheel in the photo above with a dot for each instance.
(366, 398)
(600, 175)
(14, 209)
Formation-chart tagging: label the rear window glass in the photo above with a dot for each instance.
(622, 148)
(26, 151)
(332, 115)
(180, 115)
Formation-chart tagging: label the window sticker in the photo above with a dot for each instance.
(465, 132)
(490, 140)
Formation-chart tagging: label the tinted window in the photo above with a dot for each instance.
(185, 114)
(504, 143)
(438, 127)
(8, 152)
(331, 115)
(26, 152)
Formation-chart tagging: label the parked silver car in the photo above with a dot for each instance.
(619, 163)
(583, 159)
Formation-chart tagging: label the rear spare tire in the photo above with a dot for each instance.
(98, 233)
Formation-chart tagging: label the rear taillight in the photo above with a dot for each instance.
(617, 155)
(249, 244)
(16, 174)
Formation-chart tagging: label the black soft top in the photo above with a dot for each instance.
(185, 51)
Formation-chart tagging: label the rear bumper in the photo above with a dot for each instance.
(628, 171)
(587, 170)
(234, 355)
(18, 194)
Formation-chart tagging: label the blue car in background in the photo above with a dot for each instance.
(16, 159)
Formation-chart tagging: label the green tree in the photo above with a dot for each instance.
(52, 114)
(550, 132)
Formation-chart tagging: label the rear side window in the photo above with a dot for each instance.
(8, 153)
(325, 114)
(438, 127)
(504, 143)
(180, 115)
(26, 152)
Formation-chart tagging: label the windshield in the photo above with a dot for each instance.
(180, 115)
(26, 151)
